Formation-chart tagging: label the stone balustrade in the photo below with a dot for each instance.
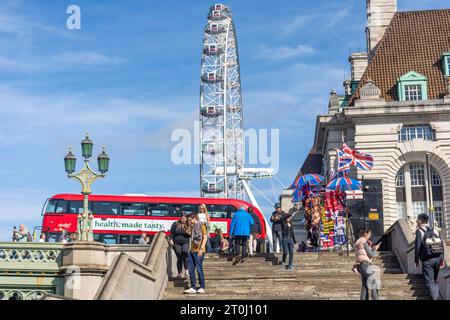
(74, 270)
(29, 270)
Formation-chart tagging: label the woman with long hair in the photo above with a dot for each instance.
(364, 252)
(204, 217)
(180, 234)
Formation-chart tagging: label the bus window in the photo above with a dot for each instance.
(76, 207)
(232, 211)
(158, 209)
(175, 210)
(189, 208)
(56, 206)
(111, 208)
(124, 239)
(136, 239)
(218, 211)
(134, 209)
(105, 238)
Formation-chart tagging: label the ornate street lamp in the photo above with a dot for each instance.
(86, 177)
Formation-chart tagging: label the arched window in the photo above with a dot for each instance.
(400, 179)
(412, 182)
(435, 179)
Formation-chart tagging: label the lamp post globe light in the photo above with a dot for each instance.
(86, 177)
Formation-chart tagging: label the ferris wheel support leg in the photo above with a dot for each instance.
(253, 201)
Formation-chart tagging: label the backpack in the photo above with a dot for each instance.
(432, 243)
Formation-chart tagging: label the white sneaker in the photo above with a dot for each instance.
(201, 290)
(190, 291)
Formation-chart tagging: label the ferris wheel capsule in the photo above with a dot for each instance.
(215, 28)
(212, 49)
(233, 108)
(212, 148)
(211, 111)
(212, 186)
(212, 77)
(218, 12)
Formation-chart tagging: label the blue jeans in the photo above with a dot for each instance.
(196, 262)
(430, 269)
(288, 247)
(208, 246)
(368, 281)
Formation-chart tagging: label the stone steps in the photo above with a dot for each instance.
(315, 276)
(272, 296)
(294, 284)
(258, 272)
(308, 292)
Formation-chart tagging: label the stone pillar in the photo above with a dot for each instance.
(379, 16)
(333, 105)
(84, 266)
(408, 195)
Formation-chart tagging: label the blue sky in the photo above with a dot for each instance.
(131, 75)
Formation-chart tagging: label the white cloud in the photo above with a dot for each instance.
(297, 23)
(284, 52)
(337, 17)
(87, 58)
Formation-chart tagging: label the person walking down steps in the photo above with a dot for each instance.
(240, 230)
(180, 234)
(255, 231)
(288, 240)
(276, 219)
(196, 255)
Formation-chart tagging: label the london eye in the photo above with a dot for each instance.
(221, 134)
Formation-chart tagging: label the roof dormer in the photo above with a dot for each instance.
(412, 86)
(446, 64)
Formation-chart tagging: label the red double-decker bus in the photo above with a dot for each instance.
(122, 219)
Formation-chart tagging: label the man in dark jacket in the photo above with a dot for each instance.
(431, 263)
(255, 231)
(276, 219)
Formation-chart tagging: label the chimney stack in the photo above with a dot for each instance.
(358, 62)
(379, 16)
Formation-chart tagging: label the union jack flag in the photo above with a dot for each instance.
(344, 161)
(340, 173)
(356, 158)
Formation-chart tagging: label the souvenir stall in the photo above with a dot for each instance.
(325, 214)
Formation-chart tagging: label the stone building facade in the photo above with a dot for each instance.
(398, 110)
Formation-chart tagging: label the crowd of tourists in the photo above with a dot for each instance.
(191, 237)
(24, 235)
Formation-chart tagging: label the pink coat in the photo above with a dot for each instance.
(360, 252)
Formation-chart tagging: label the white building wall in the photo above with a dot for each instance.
(376, 137)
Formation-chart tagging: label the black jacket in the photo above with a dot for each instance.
(256, 226)
(177, 235)
(287, 232)
(420, 251)
(276, 225)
